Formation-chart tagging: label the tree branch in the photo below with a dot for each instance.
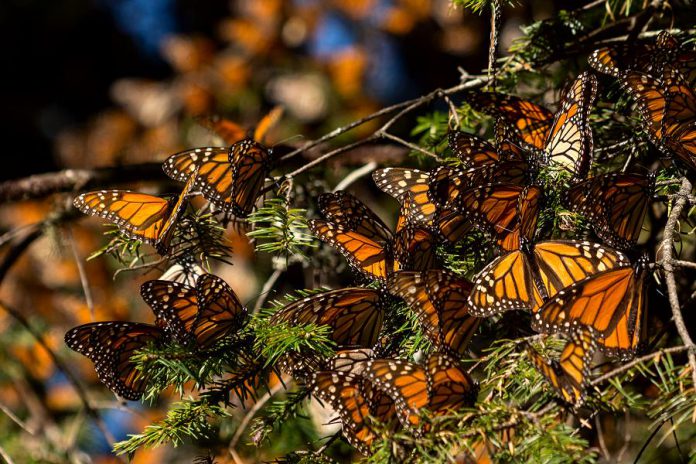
(668, 264)
(69, 180)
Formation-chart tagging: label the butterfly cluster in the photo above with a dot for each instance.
(591, 292)
(195, 316)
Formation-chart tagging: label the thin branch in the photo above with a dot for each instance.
(77, 386)
(70, 180)
(410, 145)
(266, 290)
(680, 263)
(6, 457)
(667, 262)
(250, 415)
(355, 175)
(600, 439)
(8, 412)
(82, 272)
(629, 365)
(400, 109)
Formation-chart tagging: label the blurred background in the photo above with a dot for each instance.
(108, 82)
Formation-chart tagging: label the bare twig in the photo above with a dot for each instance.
(668, 263)
(355, 175)
(6, 457)
(250, 415)
(266, 290)
(629, 365)
(400, 109)
(70, 180)
(81, 270)
(8, 412)
(600, 439)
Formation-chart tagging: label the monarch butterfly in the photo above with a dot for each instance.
(202, 314)
(506, 212)
(529, 122)
(564, 139)
(439, 300)
(610, 303)
(570, 374)
(449, 385)
(366, 242)
(614, 204)
(523, 279)
(569, 145)
(441, 386)
(231, 132)
(355, 314)
(110, 346)
(147, 218)
(358, 404)
(668, 110)
(230, 178)
(646, 57)
(185, 270)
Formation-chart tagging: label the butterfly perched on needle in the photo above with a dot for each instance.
(652, 58)
(610, 303)
(439, 300)
(110, 346)
(506, 212)
(360, 406)
(614, 204)
(529, 122)
(202, 314)
(523, 279)
(569, 375)
(355, 316)
(668, 110)
(187, 315)
(366, 242)
(424, 195)
(562, 140)
(440, 387)
(231, 178)
(148, 218)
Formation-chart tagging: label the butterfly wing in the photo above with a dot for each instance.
(354, 314)
(110, 345)
(251, 164)
(367, 256)
(561, 263)
(471, 150)
(615, 205)
(570, 374)
(505, 284)
(404, 382)
(345, 210)
(137, 215)
(449, 385)
(220, 312)
(439, 301)
(597, 302)
(212, 170)
(530, 122)
(414, 248)
(356, 403)
(408, 185)
(175, 306)
(570, 142)
(623, 340)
